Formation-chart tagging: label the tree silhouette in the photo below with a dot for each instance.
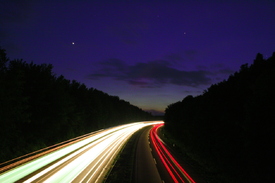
(38, 109)
(229, 129)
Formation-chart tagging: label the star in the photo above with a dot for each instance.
(72, 43)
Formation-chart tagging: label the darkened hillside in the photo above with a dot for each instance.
(38, 109)
(229, 129)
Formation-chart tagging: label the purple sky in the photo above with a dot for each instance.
(150, 53)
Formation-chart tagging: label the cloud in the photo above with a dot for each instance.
(227, 71)
(174, 57)
(152, 74)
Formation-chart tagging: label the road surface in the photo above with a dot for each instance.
(90, 157)
(145, 164)
(154, 163)
(85, 159)
(170, 170)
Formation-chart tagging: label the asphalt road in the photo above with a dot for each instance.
(145, 164)
(90, 157)
(153, 161)
(85, 159)
(169, 168)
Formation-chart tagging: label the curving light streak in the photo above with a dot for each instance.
(172, 166)
(79, 160)
(33, 155)
(25, 169)
(85, 160)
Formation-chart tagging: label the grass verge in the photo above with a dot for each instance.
(202, 172)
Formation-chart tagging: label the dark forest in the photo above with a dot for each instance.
(38, 109)
(229, 129)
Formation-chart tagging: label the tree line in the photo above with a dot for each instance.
(38, 109)
(229, 129)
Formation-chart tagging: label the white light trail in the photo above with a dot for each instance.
(83, 161)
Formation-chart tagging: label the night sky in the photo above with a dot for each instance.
(150, 53)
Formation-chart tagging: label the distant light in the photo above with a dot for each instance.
(72, 43)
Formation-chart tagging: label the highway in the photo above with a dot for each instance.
(170, 170)
(154, 162)
(84, 159)
(145, 169)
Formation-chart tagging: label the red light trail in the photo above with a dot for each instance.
(177, 173)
